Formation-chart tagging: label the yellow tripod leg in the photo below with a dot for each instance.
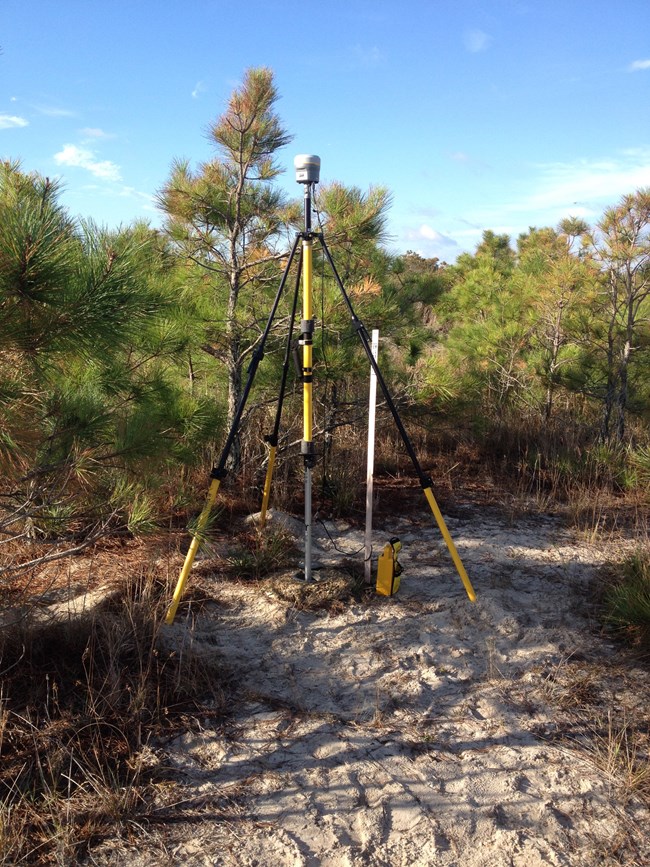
(267, 485)
(194, 547)
(428, 493)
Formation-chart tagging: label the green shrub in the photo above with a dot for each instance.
(262, 553)
(627, 603)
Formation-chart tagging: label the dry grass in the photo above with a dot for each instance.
(82, 700)
(626, 599)
(332, 590)
(571, 684)
(599, 715)
(619, 749)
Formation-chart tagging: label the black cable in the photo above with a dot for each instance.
(317, 211)
(322, 285)
(340, 550)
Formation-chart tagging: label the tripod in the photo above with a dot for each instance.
(307, 173)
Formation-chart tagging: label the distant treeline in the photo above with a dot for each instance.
(123, 353)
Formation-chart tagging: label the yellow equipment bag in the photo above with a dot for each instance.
(388, 568)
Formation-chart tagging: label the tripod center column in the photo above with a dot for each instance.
(307, 446)
(307, 173)
(306, 338)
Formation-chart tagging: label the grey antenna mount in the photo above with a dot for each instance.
(307, 168)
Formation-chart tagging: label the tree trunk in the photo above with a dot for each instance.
(234, 398)
(233, 364)
(610, 389)
(622, 395)
(553, 365)
(623, 376)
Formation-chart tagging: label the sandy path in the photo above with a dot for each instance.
(417, 730)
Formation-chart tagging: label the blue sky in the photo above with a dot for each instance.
(501, 114)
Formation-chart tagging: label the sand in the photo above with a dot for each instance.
(420, 729)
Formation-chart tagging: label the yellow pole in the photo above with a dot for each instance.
(307, 327)
(267, 485)
(428, 493)
(307, 350)
(194, 547)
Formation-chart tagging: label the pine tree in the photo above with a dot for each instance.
(621, 244)
(229, 219)
(558, 281)
(91, 403)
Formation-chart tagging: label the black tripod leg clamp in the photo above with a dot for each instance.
(308, 452)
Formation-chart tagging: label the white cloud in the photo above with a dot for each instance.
(584, 181)
(53, 111)
(367, 56)
(426, 211)
(581, 188)
(474, 232)
(95, 132)
(547, 194)
(147, 201)
(637, 65)
(84, 158)
(199, 88)
(428, 241)
(468, 162)
(476, 40)
(11, 121)
(429, 233)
